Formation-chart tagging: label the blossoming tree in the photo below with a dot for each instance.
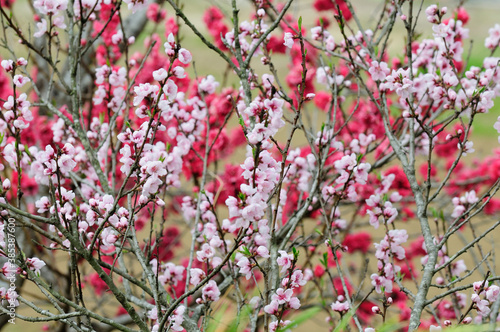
(138, 195)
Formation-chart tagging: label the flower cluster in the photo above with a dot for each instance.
(283, 298)
(461, 204)
(174, 321)
(387, 251)
(490, 293)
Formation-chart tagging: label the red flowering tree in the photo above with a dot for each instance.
(141, 195)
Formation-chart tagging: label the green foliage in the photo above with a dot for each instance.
(302, 318)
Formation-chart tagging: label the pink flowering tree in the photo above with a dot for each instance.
(322, 171)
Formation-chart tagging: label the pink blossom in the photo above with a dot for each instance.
(145, 90)
(160, 74)
(172, 274)
(208, 85)
(50, 6)
(458, 268)
(288, 39)
(66, 163)
(431, 11)
(206, 252)
(8, 268)
(20, 123)
(263, 252)
(482, 306)
(245, 267)
(20, 80)
(118, 77)
(117, 37)
(379, 282)
(298, 279)
(179, 72)
(170, 90)
(458, 209)
(35, 264)
(494, 37)
(282, 296)
(153, 313)
(294, 303)
(361, 173)
(272, 308)
(106, 202)
(400, 82)
(466, 148)
(285, 260)
(196, 276)
(492, 293)
(185, 56)
(450, 79)
(6, 184)
(390, 213)
(273, 326)
(373, 200)
(341, 307)
(379, 71)
(177, 319)
(170, 45)
(135, 5)
(109, 236)
(156, 168)
(58, 21)
(10, 295)
(317, 33)
(347, 162)
(210, 292)
(440, 30)
(7, 65)
(21, 61)
(469, 197)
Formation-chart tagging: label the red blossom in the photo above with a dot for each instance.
(361, 242)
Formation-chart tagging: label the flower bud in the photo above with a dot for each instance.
(470, 75)
(21, 62)
(467, 320)
(8, 65)
(310, 96)
(6, 184)
(431, 10)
